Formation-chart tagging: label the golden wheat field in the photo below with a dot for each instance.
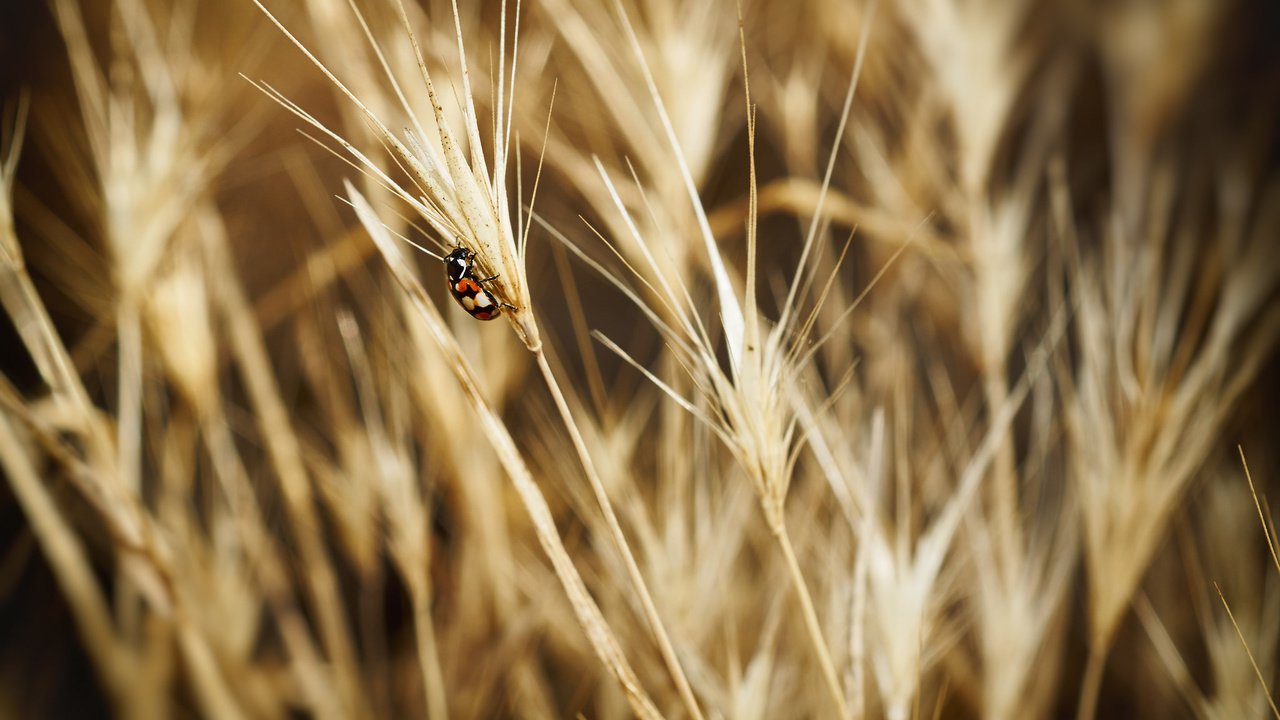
(739, 359)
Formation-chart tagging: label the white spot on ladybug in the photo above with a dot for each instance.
(482, 301)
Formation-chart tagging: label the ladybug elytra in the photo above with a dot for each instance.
(467, 289)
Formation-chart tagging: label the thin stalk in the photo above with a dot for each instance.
(129, 410)
(429, 656)
(1004, 481)
(857, 634)
(1262, 680)
(620, 540)
(811, 620)
(214, 696)
(1092, 683)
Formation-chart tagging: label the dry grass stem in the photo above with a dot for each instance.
(861, 359)
(593, 623)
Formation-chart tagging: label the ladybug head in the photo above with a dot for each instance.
(458, 263)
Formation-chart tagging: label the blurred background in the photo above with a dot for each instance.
(1031, 348)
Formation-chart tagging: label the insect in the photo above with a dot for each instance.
(467, 289)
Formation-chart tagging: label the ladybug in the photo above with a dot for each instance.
(467, 289)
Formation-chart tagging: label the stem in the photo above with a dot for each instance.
(1005, 483)
(429, 656)
(1092, 684)
(811, 620)
(129, 410)
(615, 530)
(857, 642)
(215, 697)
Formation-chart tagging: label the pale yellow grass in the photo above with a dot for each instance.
(857, 360)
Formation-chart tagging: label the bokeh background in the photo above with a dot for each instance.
(242, 479)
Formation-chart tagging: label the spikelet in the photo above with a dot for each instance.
(460, 193)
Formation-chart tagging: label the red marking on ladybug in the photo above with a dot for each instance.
(467, 289)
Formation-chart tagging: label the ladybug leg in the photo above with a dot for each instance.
(501, 304)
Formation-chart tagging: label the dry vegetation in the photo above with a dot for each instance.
(862, 358)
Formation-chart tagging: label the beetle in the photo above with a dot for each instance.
(467, 289)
